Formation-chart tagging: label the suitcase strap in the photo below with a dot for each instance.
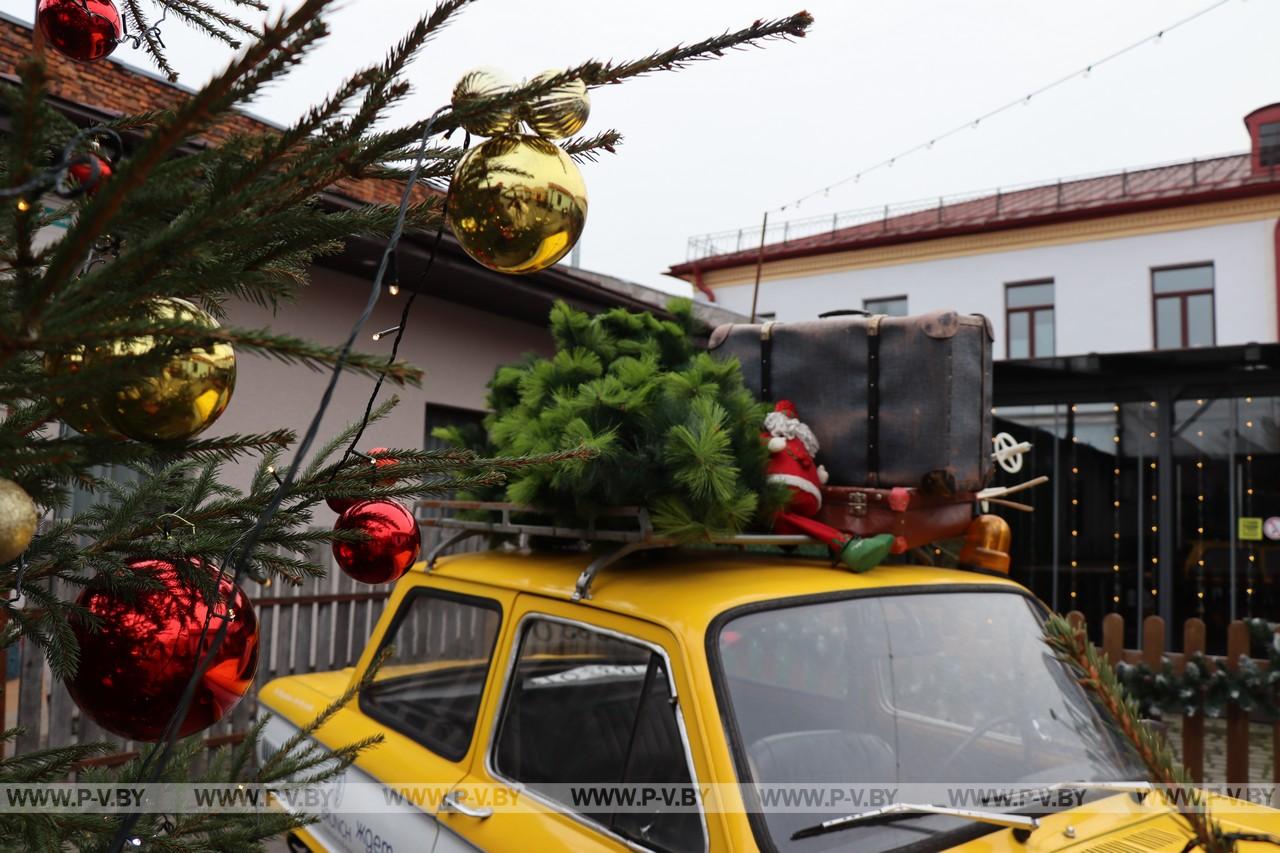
(873, 399)
(766, 362)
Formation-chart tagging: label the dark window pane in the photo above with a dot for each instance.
(1044, 333)
(1183, 279)
(1269, 140)
(1169, 323)
(1019, 334)
(430, 686)
(1200, 320)
(1024, 295)
(587, 707)
(895, 307)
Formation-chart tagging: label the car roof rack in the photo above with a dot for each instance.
(640, 538)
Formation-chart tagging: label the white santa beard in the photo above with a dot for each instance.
(785, 426)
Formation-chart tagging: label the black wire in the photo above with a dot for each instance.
(239, 558)
(395, 348)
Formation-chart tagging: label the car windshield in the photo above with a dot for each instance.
(927, 689)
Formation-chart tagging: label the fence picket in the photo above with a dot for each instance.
(31, 697)
(1237, 718)
(1193, 640)
(1113, 637)
(1152, 641)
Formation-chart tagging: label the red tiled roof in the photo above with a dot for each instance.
(1192, 182)
(111, 88)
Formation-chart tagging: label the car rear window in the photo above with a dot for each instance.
(430, 687)
(588, 708)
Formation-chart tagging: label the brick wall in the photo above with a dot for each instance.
(114, 89)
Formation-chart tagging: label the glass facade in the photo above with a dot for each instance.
(1170, 508)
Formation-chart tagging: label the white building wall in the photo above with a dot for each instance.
(458, 348)
(1103, 291)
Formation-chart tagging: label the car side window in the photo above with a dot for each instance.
(430, 685)
(591, 712)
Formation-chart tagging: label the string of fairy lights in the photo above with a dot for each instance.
(1075, 507)
(1081, 73)
(1116, 589)
(1153, 508)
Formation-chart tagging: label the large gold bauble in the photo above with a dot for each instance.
(181, 399)
(484, 83)
(561, 112)
(18, 519)
(517, 204)
(86, 416)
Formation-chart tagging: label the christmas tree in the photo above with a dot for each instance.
(111, 354)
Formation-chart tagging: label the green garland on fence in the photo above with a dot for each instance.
(1209, 687)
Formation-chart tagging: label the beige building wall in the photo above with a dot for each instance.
(457, 347)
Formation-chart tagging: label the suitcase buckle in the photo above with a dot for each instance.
(858, 504)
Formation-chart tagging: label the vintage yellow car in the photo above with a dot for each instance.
(798, 701)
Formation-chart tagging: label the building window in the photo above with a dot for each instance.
(1269, 144)
(894, 306)
(1029, 313)
(1182, 301)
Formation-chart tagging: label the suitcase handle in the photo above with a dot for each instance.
(845, 312)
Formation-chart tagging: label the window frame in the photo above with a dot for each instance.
(904, 298)
(1031, 311)
(402, 613)
(1269, 154)
(1182, 296)
(496, 718)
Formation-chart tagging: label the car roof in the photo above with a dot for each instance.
(693, 586)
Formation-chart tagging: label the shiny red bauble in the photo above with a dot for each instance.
(379, 458)
(82, 173)
(392, 545)
(84, 30)
(382, 460)
(134, 669)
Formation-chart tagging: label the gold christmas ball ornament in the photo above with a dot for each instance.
(86, 416)
(180, 399)
(517, 204)
(476, 85)
(18, 519)
(561, 112)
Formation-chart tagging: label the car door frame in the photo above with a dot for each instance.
(569, 826)
(384, 763)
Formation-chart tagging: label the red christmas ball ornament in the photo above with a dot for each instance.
(382, 460)
(134, 669)
(82, 173)
(83, 30)
(391, 548)
(378, 456)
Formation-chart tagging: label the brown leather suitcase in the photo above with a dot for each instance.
(912, 517)
(894, 401)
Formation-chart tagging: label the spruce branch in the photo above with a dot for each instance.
(1095, 673)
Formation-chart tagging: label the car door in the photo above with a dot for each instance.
(426, 700)
(587, 705)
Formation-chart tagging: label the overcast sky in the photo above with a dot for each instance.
(711, 147)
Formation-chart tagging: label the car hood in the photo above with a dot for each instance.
(1120, 825)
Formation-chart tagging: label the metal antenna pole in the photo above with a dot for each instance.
(755, 294)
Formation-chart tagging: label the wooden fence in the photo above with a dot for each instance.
(322, 624)
(1193, 727)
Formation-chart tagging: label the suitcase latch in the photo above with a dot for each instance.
(858, 504)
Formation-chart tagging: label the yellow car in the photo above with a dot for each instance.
(804, 707)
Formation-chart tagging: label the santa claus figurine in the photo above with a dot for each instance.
(792, 448)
